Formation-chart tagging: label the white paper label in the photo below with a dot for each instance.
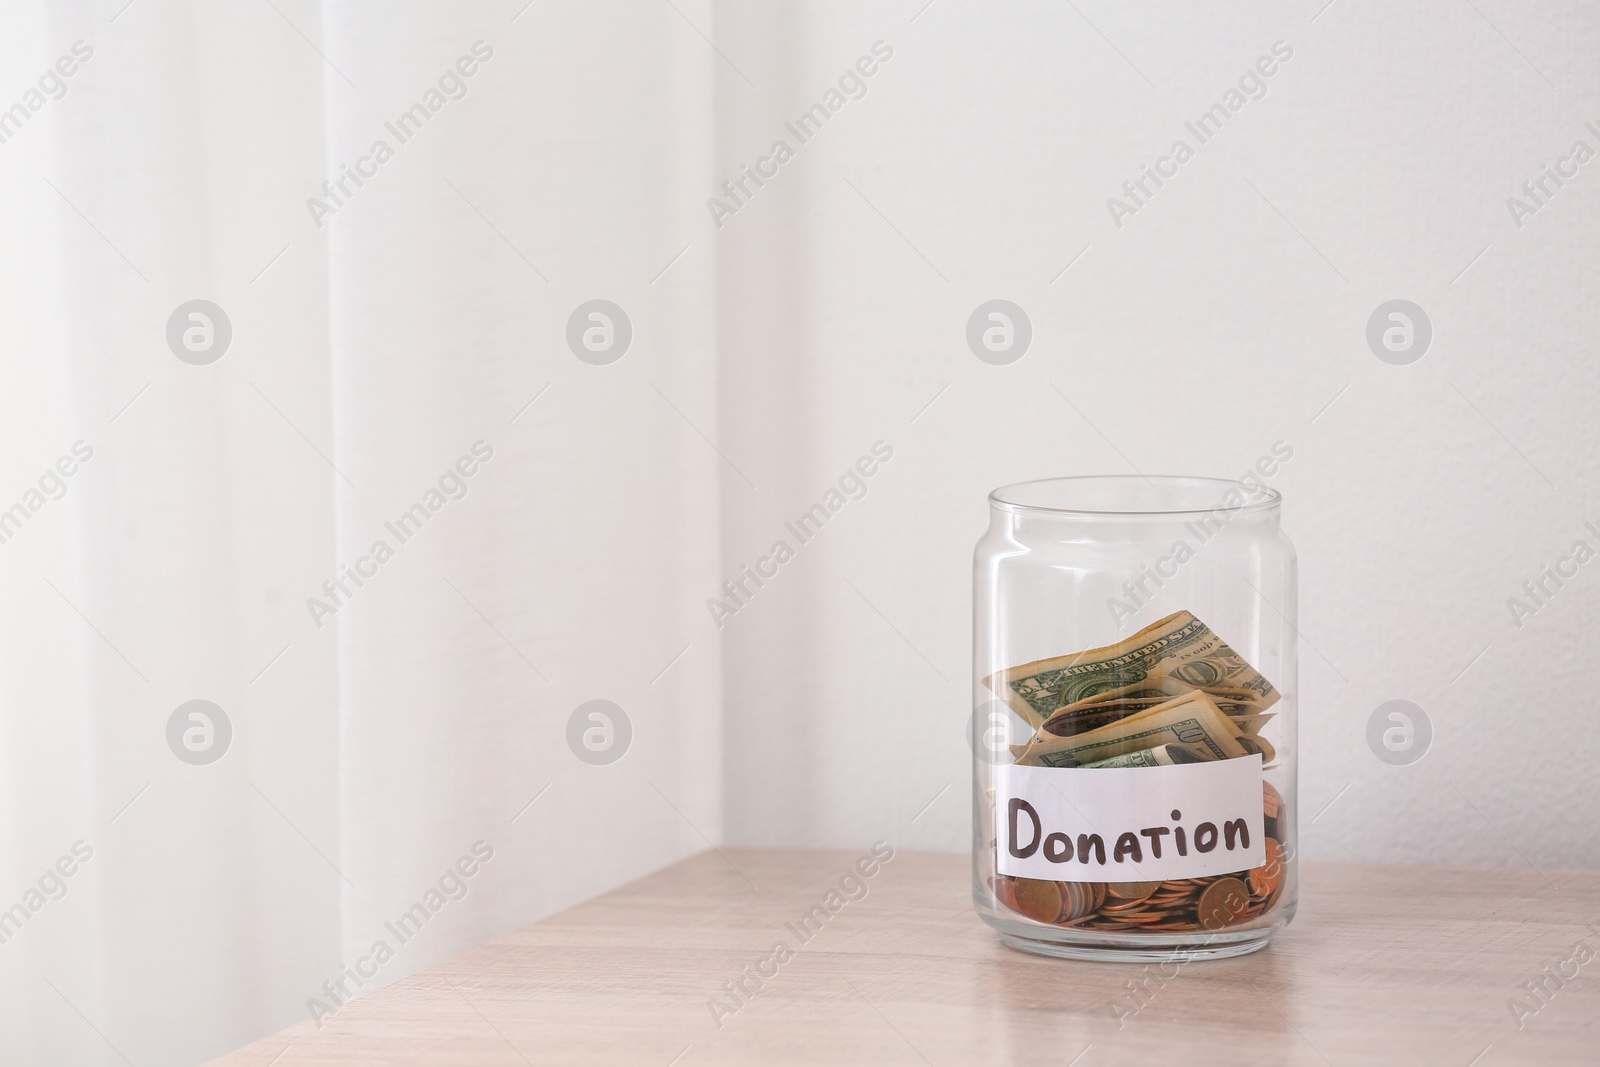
(1129, 824)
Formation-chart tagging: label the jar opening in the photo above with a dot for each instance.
(1132, 495)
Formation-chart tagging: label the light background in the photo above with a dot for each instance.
(1228, 313)
(768, 354)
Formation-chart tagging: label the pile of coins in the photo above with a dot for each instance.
(1210, 903)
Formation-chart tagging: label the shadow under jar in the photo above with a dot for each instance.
(1133, 730)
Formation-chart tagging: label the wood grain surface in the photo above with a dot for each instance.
(1383, 965)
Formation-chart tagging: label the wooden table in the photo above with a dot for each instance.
(1384, 965)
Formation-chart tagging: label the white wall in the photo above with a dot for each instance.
(1192, 337)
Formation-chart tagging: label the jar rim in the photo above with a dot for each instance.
(1135, 495)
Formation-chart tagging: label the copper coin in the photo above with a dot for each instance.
(1130, 891)
(1265, 880)
(1076, 898)
(1005, 891)
(1038, 900)
(1222, 904)
(1094, 895)
(1272, 800)
(1068, 920)
(1118, 907)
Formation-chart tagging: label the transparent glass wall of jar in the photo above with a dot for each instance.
(1134, 691)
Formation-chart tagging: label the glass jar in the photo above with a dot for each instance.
(1133, 728)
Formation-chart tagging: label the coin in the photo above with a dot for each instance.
(1272, 800)
(1005, 891)
(1078, 899)
(1265, 880)
(1038, 900)
(1130, 891)
(1118, 907)
(1222, 903)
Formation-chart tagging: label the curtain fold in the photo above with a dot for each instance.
(376, 725)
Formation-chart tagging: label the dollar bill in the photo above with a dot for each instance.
(1250, 725)
(1081, 718)
(1160, 756)
(1191, 720)
(1230, 700)
(1168, 658)
(1259, 746)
